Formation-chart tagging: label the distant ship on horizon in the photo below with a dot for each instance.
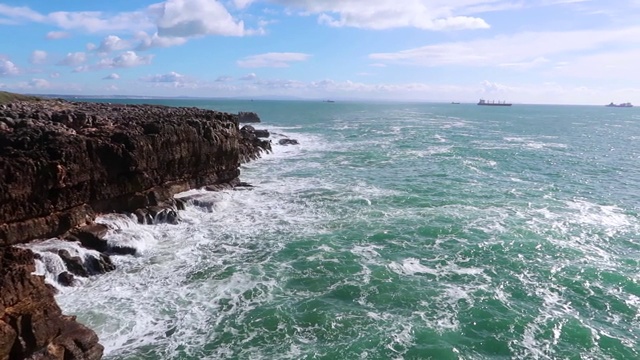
(627, 104)
(493, 103)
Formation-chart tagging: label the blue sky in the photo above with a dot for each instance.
(528, 51)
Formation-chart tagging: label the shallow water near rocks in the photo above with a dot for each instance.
(393, 231)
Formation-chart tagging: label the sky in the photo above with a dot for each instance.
(521, 51)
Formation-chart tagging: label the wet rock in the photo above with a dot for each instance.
(143, 216)
(288, 142)
(66, 278)
(122, 250)
(99, 265)
(75, 264)
(261, 133)
(248, 117)
(91, 236)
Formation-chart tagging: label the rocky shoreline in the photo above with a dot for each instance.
(62, 164)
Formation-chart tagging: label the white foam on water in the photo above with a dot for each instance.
(200, 278)
(430, 151)
(124, 231)
(609, 217)
(411, 266)
(50, 265)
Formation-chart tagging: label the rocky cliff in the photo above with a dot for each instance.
(31, 323)
(61, 163)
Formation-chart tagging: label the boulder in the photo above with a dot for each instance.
(248, 117)
(288, 142)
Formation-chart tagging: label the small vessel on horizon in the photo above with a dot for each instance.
(455, 103)
(627, 104)
(493, 103)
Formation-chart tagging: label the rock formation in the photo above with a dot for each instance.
(248, 117)
(61, 164)
(31, 323)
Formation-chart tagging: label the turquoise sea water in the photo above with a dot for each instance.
(394, 231)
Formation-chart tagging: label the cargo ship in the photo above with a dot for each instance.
(493, 103)
(619, 105)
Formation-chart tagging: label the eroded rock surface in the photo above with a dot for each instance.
(31, 323)
(62, 162)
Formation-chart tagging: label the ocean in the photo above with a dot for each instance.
(393, 231)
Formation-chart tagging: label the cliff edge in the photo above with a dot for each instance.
(62, 163)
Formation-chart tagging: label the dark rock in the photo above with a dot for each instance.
(91, 236)
(161, 215)
(262, 133)
(248, 117)
(180, 204)
(288, 142)
(66, 278)
(122, 250)
(75, 264)
(88, 266)
(143, 216)
(31, 323)
(99, 265)
(9, 121)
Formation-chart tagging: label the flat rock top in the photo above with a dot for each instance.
(25, 121)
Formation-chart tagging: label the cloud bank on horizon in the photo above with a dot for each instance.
(538, 51)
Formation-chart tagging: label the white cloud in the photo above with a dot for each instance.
(81, 69)
(520, 48)
(224, 78)
(74, 59)
(278, 60)
(54, 75)
(242, 4)
(154, 41)
(8, 68)
(525, 65)
(38, 57)
(112, 76)
(620, 64)
(96, 21)
(186, 18)
(39, 84)
(56, 35)
(387, 14)
(125, 60)
(112, 43)
(20, 13)
(249, 77)
(166, 78)
(90, 21)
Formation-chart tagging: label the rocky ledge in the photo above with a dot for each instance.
(61, 164)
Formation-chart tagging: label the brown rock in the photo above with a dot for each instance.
(62, 162)
(31, 323)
